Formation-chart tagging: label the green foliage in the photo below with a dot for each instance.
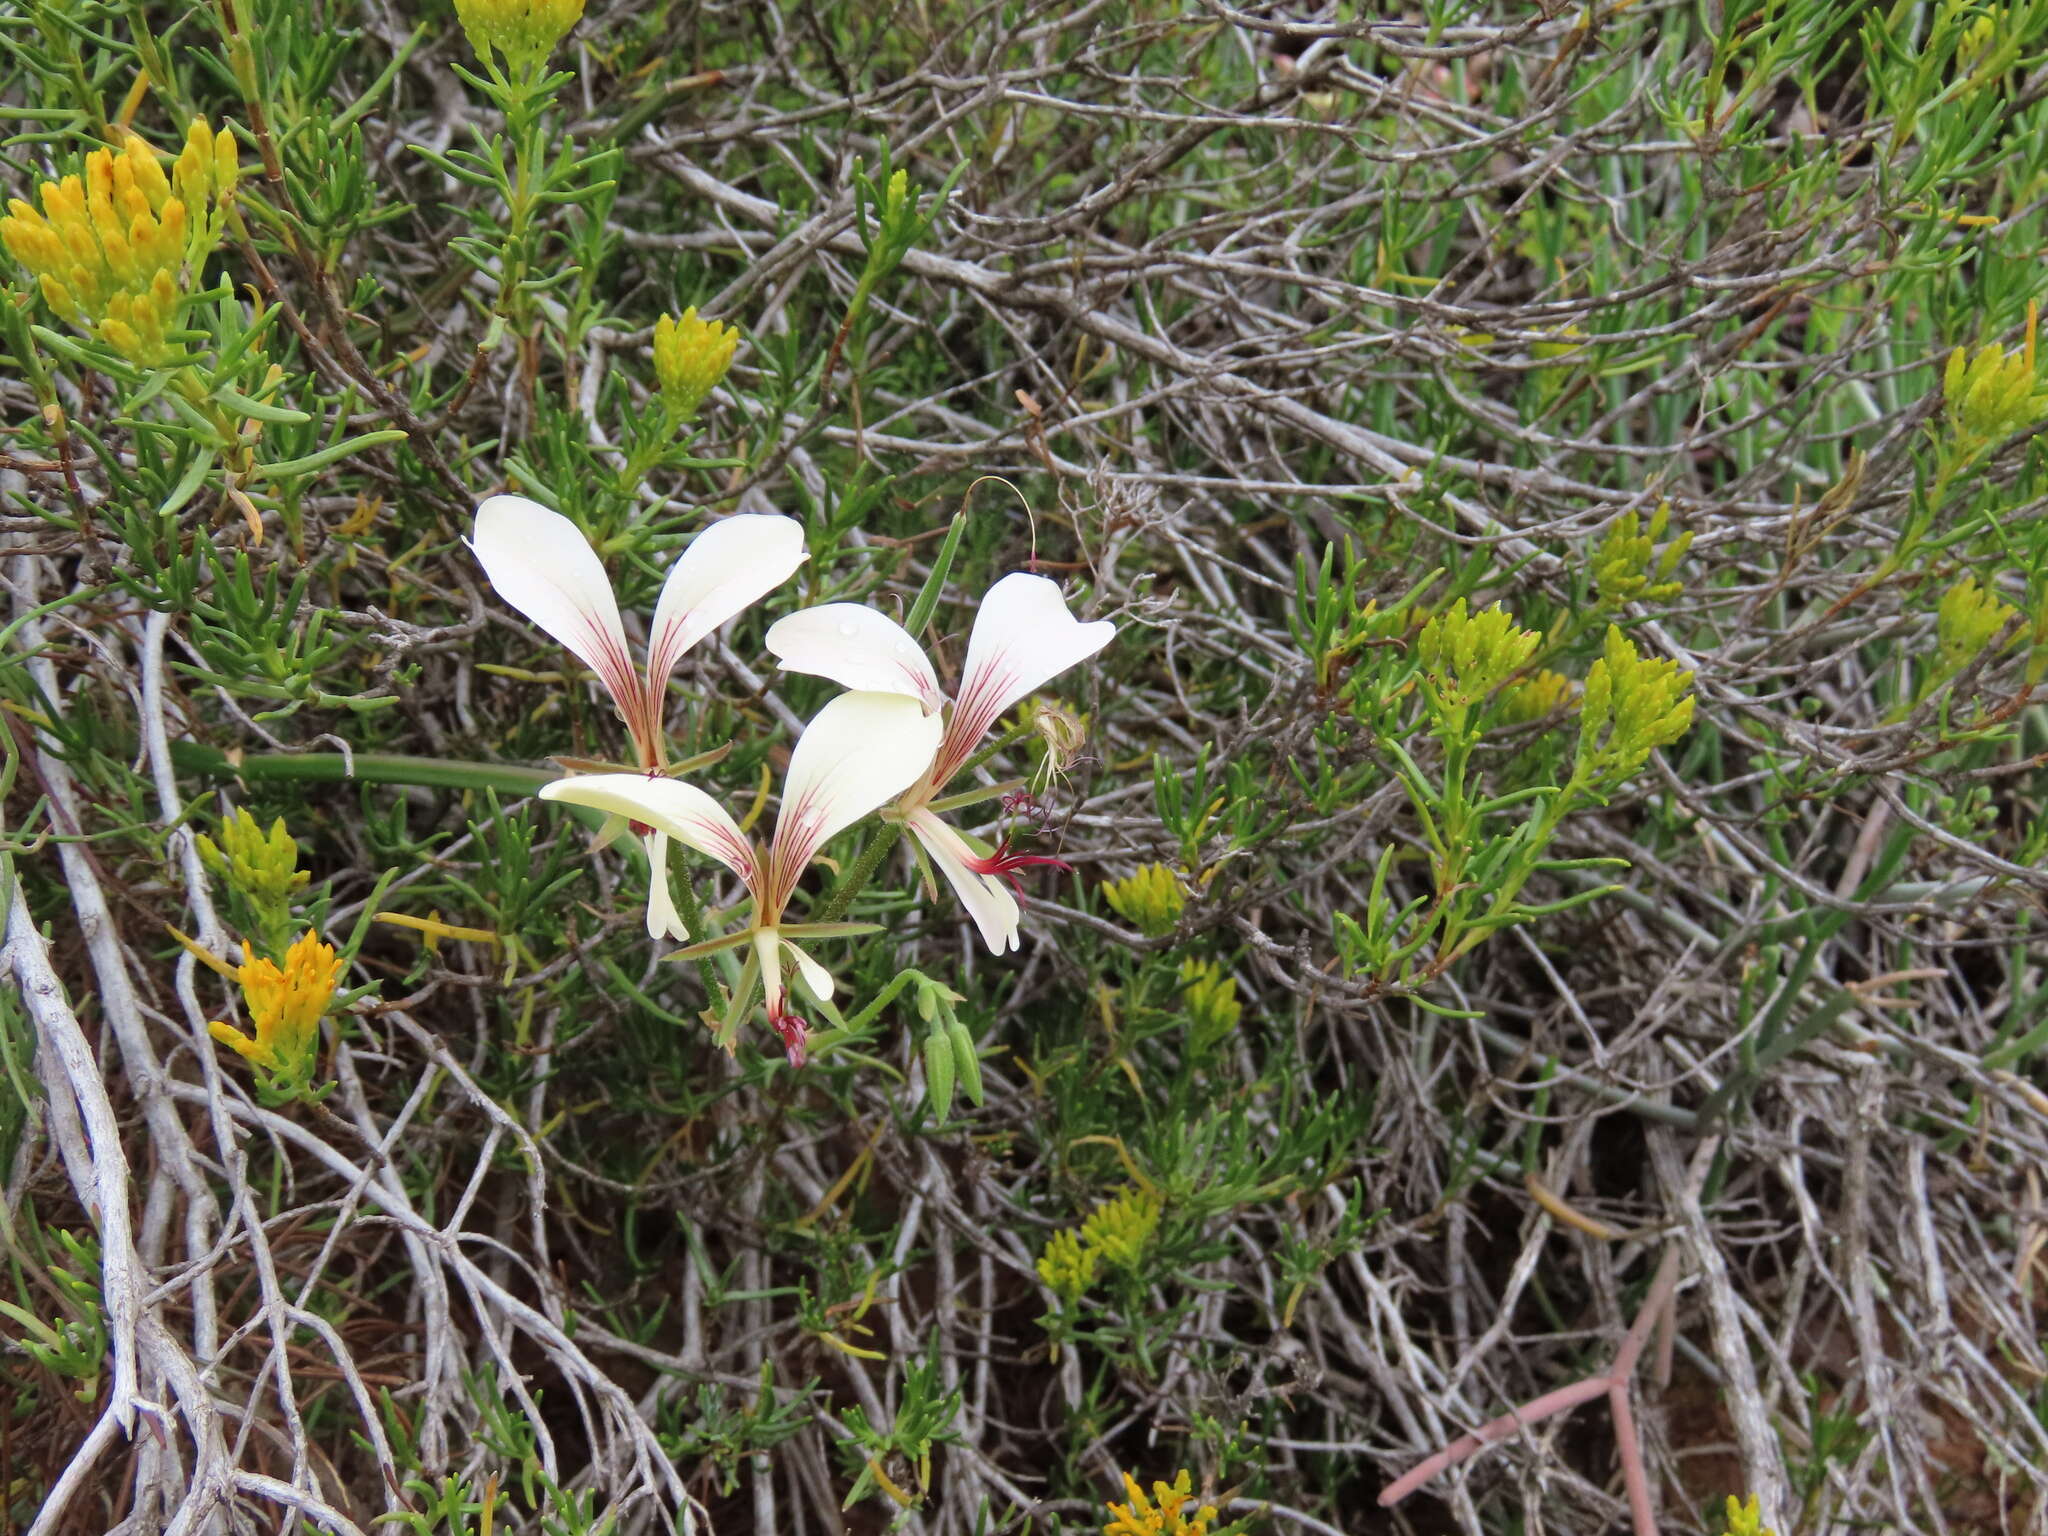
(71, 1345)
(1572, 511)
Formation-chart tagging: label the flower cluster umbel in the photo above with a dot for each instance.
(285, 1003)
(890, 744)
(115, 248)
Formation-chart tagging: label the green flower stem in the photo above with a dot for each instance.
(862, 872)
(359, 767)
(693, 919)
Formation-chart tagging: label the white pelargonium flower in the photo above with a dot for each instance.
(858, 753)
(541, 564)
(1023, 637)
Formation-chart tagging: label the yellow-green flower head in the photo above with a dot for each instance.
(1465, 656)
(525, 31)
(1166, 1513)
(112, 246)
(1992, 395)
(1975, 41)
(1209, 993)
(1648, 701)
(691, 357)
(1628, 566)
(1744, 1519)
(1120, 1228)
(285, 1006)
(1151, 898)
(1968, 620)
(1535, 698)
(264, 866)
(1067, 1265)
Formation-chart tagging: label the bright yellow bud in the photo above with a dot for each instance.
(691, 357)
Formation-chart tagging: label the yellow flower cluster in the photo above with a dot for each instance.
(1151, 898)
(112, 246)
(1991, 395)
(1629, 567)
(1067, 1266)
(691, 357)
(1117, 1230)
(525, 31)
(1465, 656)
(1744, 1519)
(1166, 1513)
(285, 1005)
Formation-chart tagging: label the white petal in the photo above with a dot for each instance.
(541, 564)
(663, 920)
(1023, 638)
(857, 648)
(682, 811)
(987, 900)
(815, 976)
(730, 565)
(858, 753)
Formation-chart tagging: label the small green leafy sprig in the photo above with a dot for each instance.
(512, 40)
(1629, 567)
(1632, 706)
(74, 1345)
(1484, 850)
(924, 1417)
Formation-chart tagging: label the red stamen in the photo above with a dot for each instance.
(1005, 863)
(794, 1031)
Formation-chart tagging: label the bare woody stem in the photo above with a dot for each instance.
(1612, 1384)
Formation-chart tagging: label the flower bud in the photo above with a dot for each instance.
(691, 358)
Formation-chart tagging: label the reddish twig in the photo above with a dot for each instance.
(1612, 1384)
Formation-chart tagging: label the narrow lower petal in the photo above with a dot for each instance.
(858, 753)
(728, 567)
(1023, 638)
(857, 648)
(663, 920)
(987, 900)
(681, 811)
(541, 564)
